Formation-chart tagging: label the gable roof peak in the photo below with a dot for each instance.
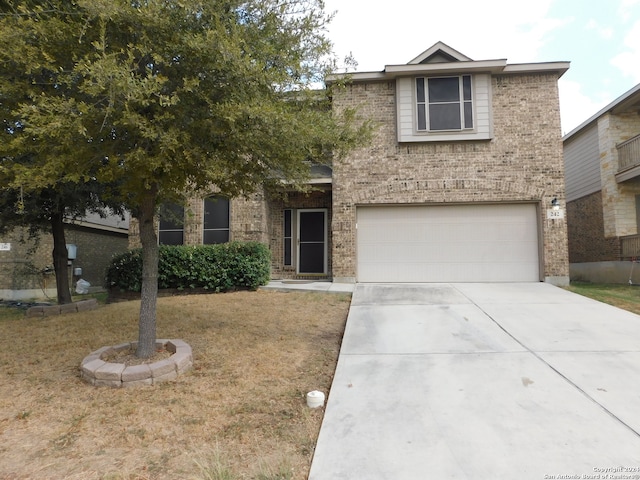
(439, 52)
(441, 59)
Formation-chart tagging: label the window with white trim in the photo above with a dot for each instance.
(216, 220)
(444, 103)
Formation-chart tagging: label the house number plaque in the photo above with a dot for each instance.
(554, 214)
(5, 247)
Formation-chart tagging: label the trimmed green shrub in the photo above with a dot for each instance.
(125, 271)
(218, 268)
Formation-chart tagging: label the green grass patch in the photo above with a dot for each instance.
(623, 296)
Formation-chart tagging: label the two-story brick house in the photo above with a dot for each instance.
(457, 185)
(602, 169)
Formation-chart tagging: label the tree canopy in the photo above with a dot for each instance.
(163, 97)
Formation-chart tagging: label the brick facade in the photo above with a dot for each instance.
(523, 162)
(257, 218)
(95, 250)
(518, 158)
(587, 242)
(602, 216)
(248, 220)
(618, 199)
(26, 269)
(295, 201)
(22, 267)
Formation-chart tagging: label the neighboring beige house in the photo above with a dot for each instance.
(459, 183)
(602, 168)
(26, 268)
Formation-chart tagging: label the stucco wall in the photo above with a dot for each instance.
(523, 162)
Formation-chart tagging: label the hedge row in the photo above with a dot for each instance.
(218, 268)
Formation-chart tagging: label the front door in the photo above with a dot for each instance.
(312, 241)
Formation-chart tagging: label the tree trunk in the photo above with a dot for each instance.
(149, 294)
(60, 258)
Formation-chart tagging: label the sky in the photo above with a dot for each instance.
(601, 39)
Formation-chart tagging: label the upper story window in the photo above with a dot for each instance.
(444, 108)
(444, 103)
(216, 220)
(171, 230)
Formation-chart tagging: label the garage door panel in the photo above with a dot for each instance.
(383, 235)
(380, 252)
(459, 243)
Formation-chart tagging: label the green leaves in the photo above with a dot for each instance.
(186, 93)
(217, 268)
(154, 99)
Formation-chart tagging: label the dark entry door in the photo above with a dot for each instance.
(312, 241)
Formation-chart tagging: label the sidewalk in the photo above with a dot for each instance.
(310, 286)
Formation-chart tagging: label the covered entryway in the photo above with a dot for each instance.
(449, 243)
(312, 241)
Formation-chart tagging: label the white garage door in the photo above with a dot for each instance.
(453, 243)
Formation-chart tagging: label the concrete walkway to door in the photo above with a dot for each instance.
(482, 381)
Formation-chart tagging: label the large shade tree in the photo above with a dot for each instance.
(164, 97)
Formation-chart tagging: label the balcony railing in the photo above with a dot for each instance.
(630, 246)
(629, 153)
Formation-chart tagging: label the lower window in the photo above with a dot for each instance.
(216, 220)
(171, 229)
(288, 238)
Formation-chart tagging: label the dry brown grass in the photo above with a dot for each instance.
(239, 414)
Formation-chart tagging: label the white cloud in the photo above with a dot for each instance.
(625, 10)
(575, 106)
(628, 61)
(481, 30)
(517, 31)
(605, 33)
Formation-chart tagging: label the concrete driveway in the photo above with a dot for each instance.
(482, 381)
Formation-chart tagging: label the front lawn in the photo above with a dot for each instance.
(626, 297)
(240, 413)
